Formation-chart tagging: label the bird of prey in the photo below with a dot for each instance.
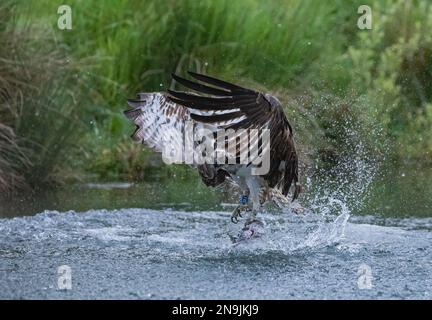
(163, 120)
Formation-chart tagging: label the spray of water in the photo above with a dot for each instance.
(336, 193)
(331, 196)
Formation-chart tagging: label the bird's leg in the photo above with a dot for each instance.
(252, 227)
(254, 190)
(251, 217)
(243, 206)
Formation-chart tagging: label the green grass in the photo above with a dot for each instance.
(336, 81)
(40, 102)
(139, 43)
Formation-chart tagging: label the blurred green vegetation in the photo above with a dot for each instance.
(62, 92)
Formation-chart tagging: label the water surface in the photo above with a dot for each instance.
(155, 254)
(171, 241)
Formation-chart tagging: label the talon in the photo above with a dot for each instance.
(237, 213)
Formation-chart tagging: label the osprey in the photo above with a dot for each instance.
(163, 120)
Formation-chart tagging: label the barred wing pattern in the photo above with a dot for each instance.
(161, 121)
(230, 106)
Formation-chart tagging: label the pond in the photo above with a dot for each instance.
(170, 240)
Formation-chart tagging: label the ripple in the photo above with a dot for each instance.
(141, 253)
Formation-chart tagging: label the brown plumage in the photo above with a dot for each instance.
(259, 111)
(221, 105)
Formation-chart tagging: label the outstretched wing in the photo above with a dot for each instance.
(160, 123)
(230, 106)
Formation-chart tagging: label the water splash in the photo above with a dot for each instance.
(329, 233)
(331, 198)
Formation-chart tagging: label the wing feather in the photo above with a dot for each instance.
(160, 123)
(244, 109)
(160, 120)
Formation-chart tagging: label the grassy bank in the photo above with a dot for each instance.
(61, 117)
(41, 103)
